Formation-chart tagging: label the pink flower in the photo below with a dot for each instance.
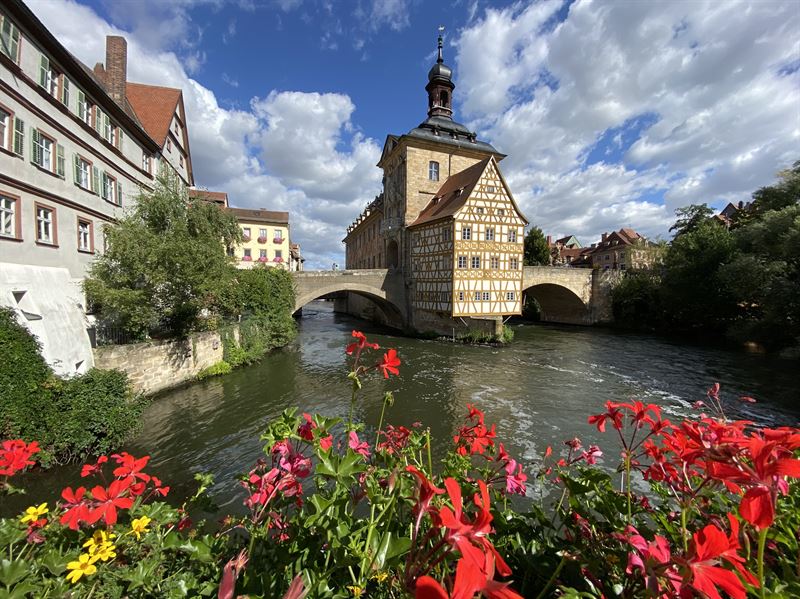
(358, 446)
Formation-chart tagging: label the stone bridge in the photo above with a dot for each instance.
(565, 295)
(384, 290)
(570, 295)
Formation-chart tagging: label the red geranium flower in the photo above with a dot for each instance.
(390, 363)
(360, 343)
(116, 496)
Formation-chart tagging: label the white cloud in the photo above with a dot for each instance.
(288, 151)
(726, 121)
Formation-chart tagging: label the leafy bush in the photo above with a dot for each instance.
(71, 419)
(165, 263)
(221, 367)
(636, 300)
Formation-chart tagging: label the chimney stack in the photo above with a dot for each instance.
(549, 240)
(604, 236)
(116, 67)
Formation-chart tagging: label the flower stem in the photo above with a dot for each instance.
(380, 422)
(428, 445)
(762, 541)
(552, 579)
(683, 529)
(628, 483)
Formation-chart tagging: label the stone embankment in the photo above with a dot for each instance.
(153, 366)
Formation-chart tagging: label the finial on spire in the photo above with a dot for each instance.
(440, 59)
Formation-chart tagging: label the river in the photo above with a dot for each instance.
(539, 390)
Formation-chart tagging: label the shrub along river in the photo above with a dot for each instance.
(539, 390)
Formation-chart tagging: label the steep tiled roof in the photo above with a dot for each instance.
(154, 106)
(261, 216)
(212, 196)
(452, 194)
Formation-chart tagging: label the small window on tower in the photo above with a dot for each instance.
(443, 98)
(433, 170)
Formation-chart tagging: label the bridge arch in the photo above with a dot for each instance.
(392, 313)
(559, 303)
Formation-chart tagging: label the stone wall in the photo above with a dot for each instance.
(157, 365)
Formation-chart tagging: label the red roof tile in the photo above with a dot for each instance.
(154, 106)
(452, 194)
(264, 216)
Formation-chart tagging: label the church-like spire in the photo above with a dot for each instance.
(440, 85)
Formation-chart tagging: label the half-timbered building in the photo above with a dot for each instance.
(449, 222)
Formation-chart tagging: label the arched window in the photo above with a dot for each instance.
(443, 99)
(433, 170)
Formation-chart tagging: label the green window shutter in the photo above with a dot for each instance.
(119, 138)
(60, 160)
(98, 120)
(76, 167)
(119, 193)
(81, 97)
(35, 149)
(95, 179)
(44, 70)
(65, 92)
(104, 185)
(19, 136)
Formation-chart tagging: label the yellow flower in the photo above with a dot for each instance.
(381, 576)
(83, 567)
(99, 538)
(139, 525)
(356, 590)
(33, 513)
(105, 551)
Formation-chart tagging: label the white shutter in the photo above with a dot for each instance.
(60, 160)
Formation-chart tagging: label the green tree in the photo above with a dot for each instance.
(165, 263)
(694, 295)
(536, 251)
(690, 218)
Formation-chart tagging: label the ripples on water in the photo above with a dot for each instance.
(539, 390)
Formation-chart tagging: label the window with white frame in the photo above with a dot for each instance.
(500, 212)
(479, 209)
(495, 261)
(512, 235)
(476, 262)
(43, 154)
(486, 296)
(262, 233)
(461, 296)
(84, 235)
(279, 235)
(489, 234)
(83, 173)
(146, 164)
(462, 261)
(246, 232)
(513, 264)
(6, 129)
(279, 256)
(48, 76)
(262, 254)
(510, 296)
(477, 296)
(108, 188)
(45, 225)
(247, 253)
(433, 170)
(84, 108)
(466, 233)
(169, 145)
(8, 217)
(9, 38)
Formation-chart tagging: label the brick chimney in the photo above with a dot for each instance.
(549, 240)
(604, 236)
(116, 74)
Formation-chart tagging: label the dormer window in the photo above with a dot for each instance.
(433, 170)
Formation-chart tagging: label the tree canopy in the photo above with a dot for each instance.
(690, 218)
(165, 262)
(536, 252)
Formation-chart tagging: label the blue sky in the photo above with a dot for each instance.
(612, 113)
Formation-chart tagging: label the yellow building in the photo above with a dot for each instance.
(265, 238)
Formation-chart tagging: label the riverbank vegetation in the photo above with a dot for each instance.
(704, 507)
(739, 281)
(166, 272)
(70, 418)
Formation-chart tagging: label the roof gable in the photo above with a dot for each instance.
(154, 107)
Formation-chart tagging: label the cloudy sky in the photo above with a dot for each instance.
(612, 113)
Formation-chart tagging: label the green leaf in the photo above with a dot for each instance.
(12, 571)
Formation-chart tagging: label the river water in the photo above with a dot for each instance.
(539, 390)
